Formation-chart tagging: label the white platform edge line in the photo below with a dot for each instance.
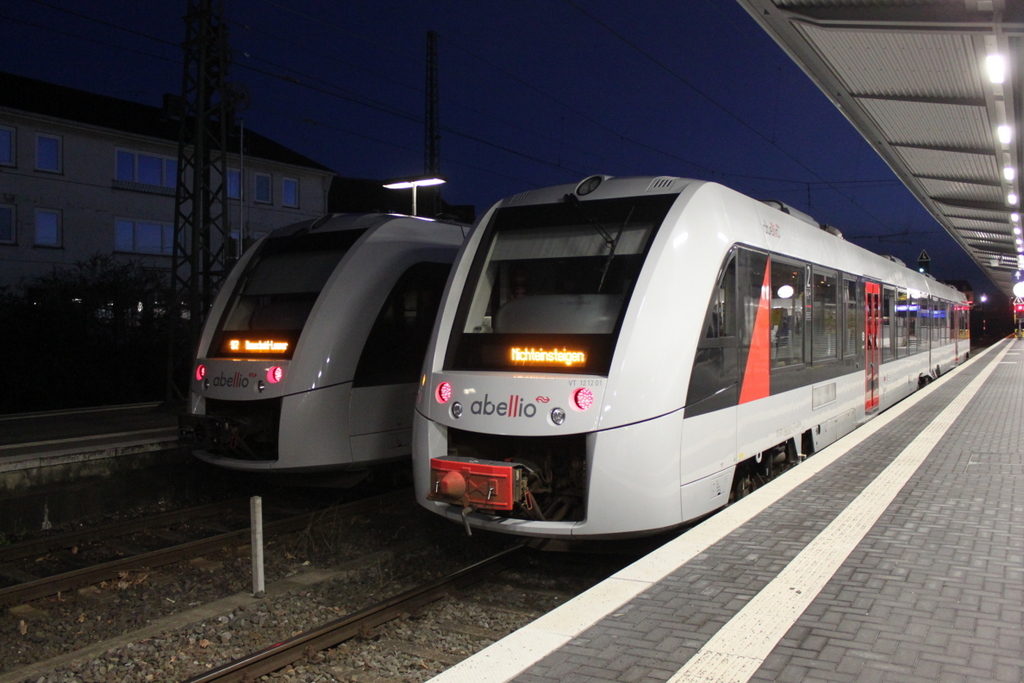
(504, 660)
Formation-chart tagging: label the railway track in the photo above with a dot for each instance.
(28, 586)
(429, 627)
(329, 635)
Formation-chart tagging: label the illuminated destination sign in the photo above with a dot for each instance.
(258, 345)
(532, 356)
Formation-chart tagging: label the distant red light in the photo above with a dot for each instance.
(200, 372)
(275, 374)
(583, 398)
(444, 392)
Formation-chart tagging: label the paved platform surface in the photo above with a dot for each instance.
(897, 554)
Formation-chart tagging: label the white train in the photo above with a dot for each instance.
(313, 347)
(625, 355)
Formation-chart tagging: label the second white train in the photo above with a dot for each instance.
(309, 359)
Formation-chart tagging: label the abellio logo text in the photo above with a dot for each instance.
(234, 381)
(514, 407)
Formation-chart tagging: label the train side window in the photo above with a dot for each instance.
(824, 316)
(394, 350)
(913, 303)
(714, 374)
(787, 319)
(948, 326)
(849, 317)
(902, 307)
(924, 323)
(940, 329)
(888, 308)
(751, 267)
(720, 320)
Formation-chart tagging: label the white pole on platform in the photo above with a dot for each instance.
(256, 524)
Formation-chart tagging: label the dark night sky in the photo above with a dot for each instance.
(532, 93)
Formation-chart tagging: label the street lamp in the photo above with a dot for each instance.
(417, 181)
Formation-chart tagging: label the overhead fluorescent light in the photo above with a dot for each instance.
(996, 67)
(1005, 134)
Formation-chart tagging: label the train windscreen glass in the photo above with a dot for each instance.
(276, 293)
(549, 285)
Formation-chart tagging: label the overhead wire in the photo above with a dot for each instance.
(416, 89)
(657, 62)
(350, 97)
(334, 91)
(618, 134)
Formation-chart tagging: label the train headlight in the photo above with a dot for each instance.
(275, 374)
(200, 372)
(557, 415)
(588, 185)
(582, 399)
(443, 393)
(456, 410)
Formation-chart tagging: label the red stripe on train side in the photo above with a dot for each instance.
(756, 376)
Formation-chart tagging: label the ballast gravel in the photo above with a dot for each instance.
(371, 557)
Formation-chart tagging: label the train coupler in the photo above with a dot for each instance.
(477, 484)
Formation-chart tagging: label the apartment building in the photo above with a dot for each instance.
(84, 174)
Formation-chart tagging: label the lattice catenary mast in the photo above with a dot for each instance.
(200, 257)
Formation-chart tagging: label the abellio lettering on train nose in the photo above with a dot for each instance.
(237, 380)
(516, 406)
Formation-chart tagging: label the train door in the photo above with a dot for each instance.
(954, 329)
(872, 344)
(385, 383)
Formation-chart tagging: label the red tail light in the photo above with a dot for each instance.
(582, 398)
(275, 374)
(200, 372)
(444, 392)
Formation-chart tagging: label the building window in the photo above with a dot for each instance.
(6, 146)
(234, 183)
(264, 189)
(143, 237)
(290, 192)
(47, 228)
(48, 153)
(7, 234)
(146, 169)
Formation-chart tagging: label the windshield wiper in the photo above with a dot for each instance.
(611, 249)
(574, 201)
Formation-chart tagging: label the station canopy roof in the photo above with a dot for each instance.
(920, 80)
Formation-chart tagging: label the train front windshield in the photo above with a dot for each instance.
(550, 284)
(276, 293)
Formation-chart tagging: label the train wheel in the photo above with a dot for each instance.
(742, 481)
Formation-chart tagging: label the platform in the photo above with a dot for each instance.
(29, 441)
(896, 554)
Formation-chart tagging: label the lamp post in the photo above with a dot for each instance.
(415, 182)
